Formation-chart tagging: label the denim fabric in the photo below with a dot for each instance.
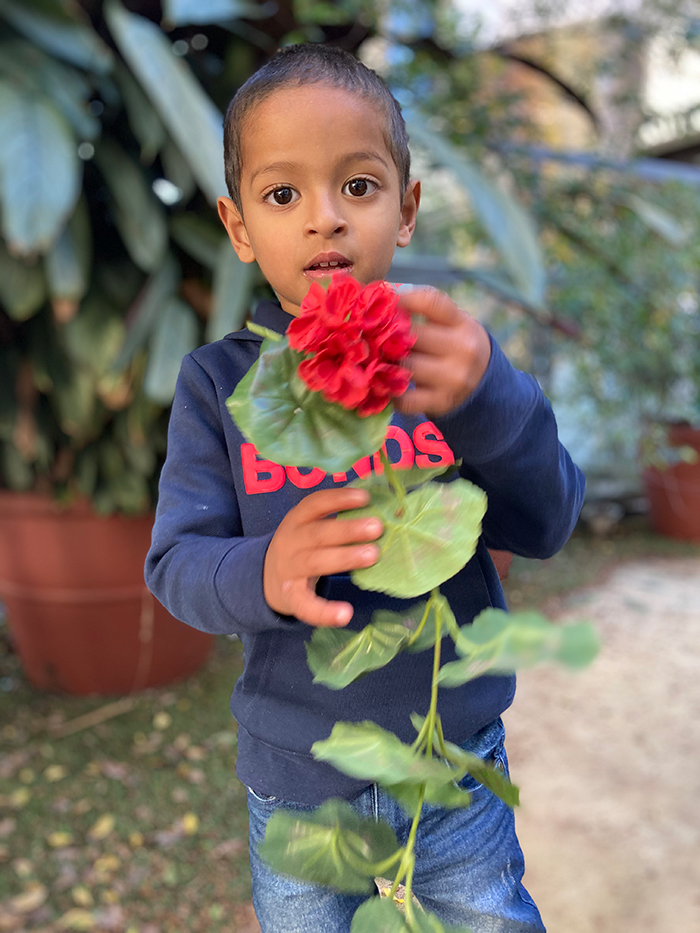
(469, 865)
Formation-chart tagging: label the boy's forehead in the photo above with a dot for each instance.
(296, 119)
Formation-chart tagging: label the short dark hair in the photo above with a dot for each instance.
(306, 64)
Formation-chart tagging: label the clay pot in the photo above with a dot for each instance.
(674, 493)
(80, 614)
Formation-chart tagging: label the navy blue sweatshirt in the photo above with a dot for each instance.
(220, 504)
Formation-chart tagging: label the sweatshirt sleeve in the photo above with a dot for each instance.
(200, 566)
(506, 435)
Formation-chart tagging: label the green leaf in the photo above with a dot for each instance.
(291, 425)
(500, 642)
(426, 639)
(138, 214)
(191, 118)
(233, 288)
(175, 336)
(201, 239)
(508, 224)
(69, 259)
(449, 796)
(14, 469)
(365, 750)
(381, 915)
(95, 335)
(426, 541)
(187, 12)
(149, 305)
(331, 846)
(411, 478)
(40, 170)
(492, 778)
(76, 405)
(658, 220)
(177, 170)
(22, 286)
(68, 36)
(145, 123)
(39, 74)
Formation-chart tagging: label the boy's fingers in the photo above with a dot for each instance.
(327, 501)
(314, 610)
(332, 533)
(415, 401)
(431, 304)
(328, 561)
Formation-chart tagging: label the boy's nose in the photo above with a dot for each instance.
(325, 218)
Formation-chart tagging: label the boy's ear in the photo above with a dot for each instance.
(237, 233)
(409, 210)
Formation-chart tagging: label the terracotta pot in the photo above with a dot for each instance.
(80, 614)
(674, 493)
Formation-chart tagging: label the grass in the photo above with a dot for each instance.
(138, 825)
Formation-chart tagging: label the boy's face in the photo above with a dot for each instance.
(318, 186)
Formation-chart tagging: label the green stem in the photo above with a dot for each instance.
(432, 712)
(426, 613)
(408, 860)
(376, 870)
(393, 477)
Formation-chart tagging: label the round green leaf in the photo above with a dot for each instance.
(365, 750)
(500, 642)
(332, 846)
(291, 425)
(426, 541)
(22, 286)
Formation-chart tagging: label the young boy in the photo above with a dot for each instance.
(318, 171)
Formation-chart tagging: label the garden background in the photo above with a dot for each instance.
(559, 157)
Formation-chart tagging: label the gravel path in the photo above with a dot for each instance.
(608, 761)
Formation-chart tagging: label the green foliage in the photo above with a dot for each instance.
(383, 916)
(500, 642)
(429, 535)
(331, 846)
(290, 424)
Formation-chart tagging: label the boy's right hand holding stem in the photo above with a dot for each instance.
(309, 543)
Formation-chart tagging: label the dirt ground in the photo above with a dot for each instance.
(608, 760)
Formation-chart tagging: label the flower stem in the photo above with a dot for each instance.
(393, 477)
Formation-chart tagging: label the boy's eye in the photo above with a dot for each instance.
(359, 187)
(282, 196)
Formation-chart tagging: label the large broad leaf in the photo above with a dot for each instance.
(22, 286)
(40, 171)
(500, 642)
(507, 223)
(291, 425)
(202, 12)
(149, 305)
(426, 540)
(76, 405)
(68, 36)
(198, 237)
(449, 796)
(145, 123)
(337, 656)
(365, 750)
(233, 289)
(175, 336)
(332, 846)
(177, 170)
(42, 75)
(95, 335)
(192, 119)
(381, 915)
(68, 263)
(410, 479)
(139, 216)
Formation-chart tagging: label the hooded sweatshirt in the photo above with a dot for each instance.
(220, 503)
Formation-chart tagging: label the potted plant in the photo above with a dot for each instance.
(112, 268)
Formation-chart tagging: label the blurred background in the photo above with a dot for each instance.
(559, 149)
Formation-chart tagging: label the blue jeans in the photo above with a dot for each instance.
(469, 865)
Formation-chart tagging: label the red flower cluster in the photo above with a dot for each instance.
(357, 337)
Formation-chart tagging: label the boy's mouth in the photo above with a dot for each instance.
(328, 264)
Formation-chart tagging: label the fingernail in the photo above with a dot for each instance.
(373, 527)
(343, 616)
(370, 554)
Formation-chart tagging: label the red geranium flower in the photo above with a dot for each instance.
(353, 338)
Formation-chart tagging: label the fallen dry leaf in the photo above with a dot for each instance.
(107, 864)
(55, 773)
(33, 897)
(7, 827)
(20, 798)
(23, 867)
(162, 721)
(190, 824)
(136, 840)
(27, 776)
(59, 840)
(82, 896)
(77, 919)
(102, 827)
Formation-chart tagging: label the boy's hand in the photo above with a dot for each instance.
(449, 357)
(308, 545)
